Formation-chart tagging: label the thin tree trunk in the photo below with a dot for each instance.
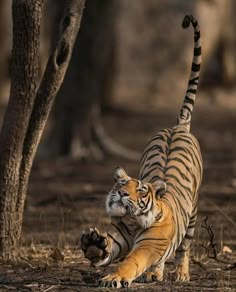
(28, 108)
(24, 74)
(52, 80)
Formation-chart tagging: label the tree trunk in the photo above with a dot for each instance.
(86, 75)
(24, 73)
(29, 108)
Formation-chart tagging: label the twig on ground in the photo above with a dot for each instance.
(51, 287)
(211, 249)
(211, 246)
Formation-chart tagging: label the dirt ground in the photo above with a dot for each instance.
(66, 197)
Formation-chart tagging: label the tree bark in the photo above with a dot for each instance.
(24, 73)
(29, 108)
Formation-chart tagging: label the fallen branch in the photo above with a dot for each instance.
(211, 249)
(211, 246)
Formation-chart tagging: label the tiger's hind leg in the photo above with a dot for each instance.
(155, 274)
(183, 251)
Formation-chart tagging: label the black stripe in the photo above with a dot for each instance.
(144, 155)
(188, 236)
(155, 177)
(195, 67)
(148, 173)
(150, 238)
(181, 250)
(187, 135)
(145, 230)
(180, 208)
(181, 139)
(180, 161)
(177, 211)
(155, 147)
(194, 22)
(157, 163)
(166, 131)
(117, 228)
(180, 193)
(178, 181)
(146, 205)
(196, 36)
(119, 245)
(187, 198)
(179, 132)
(191, 90)
(189, 100)
(186, 107)
(193, 81)
(178, 170)
(155, 154)
(125, 227)
(177, 205)
(158, 137)
(197, 51)
(178, 148)
(192, 225)
(195, 157)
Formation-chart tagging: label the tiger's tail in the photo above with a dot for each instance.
(188, 104)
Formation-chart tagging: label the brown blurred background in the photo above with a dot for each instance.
(127, 80)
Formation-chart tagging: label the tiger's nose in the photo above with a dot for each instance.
(123, 194)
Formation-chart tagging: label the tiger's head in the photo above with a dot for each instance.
(134, 198)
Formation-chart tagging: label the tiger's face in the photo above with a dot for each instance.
(132, 197)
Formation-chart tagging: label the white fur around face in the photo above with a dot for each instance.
(148, 219)
(116, 208)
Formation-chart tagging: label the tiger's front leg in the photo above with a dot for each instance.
(137, 262)
(103, 248)
(149, 249)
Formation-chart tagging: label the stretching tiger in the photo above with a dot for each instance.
(154, 216)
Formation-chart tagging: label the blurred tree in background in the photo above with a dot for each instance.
(86, 82)
(77, 129)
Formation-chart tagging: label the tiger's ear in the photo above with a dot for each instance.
(159, 188)
(120, 175)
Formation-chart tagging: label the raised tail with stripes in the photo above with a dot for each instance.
(188, 104)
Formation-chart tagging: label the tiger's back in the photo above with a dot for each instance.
(174, 155)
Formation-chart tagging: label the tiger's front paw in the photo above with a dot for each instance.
(115, 280)
(95, 247)
(148, 277)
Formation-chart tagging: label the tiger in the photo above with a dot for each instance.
(154, 216)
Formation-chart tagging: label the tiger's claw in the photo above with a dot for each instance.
(114, 281)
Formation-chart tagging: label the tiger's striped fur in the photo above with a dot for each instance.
(155, 215)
